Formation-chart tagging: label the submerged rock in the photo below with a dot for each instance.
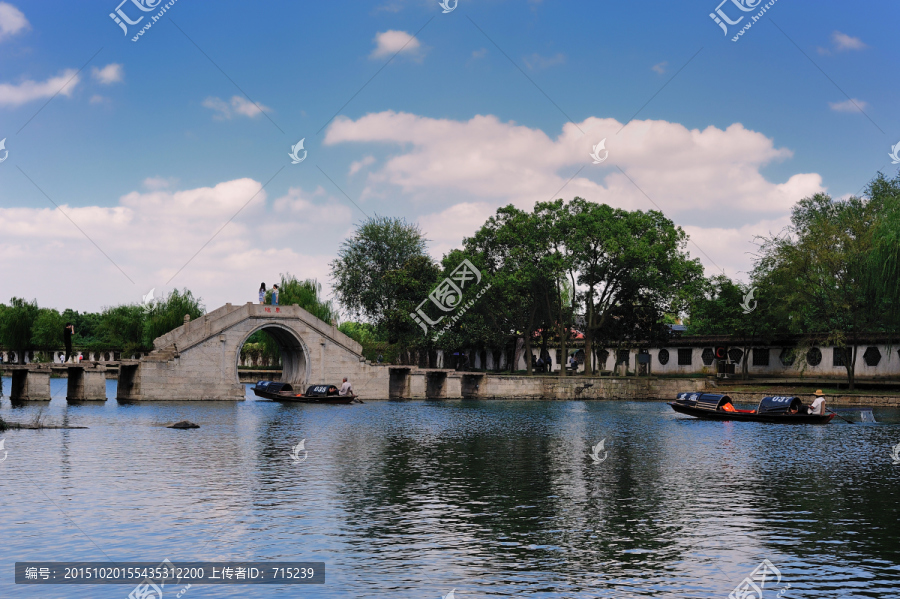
(184, 424)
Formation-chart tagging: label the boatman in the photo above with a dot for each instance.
(346, 388)
(818, 405)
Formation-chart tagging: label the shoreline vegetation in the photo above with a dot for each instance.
(562, 275)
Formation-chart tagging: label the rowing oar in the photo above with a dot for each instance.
(841, 417)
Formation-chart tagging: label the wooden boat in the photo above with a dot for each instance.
(774, 409)
(277, 391)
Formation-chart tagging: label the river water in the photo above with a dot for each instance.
(490, 498)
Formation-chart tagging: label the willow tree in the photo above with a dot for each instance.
(168, 314)
(820, 269)
(884, 261)
(16, 324)
(308, 295)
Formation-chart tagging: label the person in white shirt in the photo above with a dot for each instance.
(346, 388)
(818, 405)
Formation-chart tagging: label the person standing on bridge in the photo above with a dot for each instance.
(67, 337)
(274, 295)
(346, 388)
(262, 293)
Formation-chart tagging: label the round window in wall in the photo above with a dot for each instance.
(814, 356)
(663, 356)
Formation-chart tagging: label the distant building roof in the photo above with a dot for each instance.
(677, 328)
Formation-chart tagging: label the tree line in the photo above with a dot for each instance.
(131, 328)
(128, 328)
(621, 277)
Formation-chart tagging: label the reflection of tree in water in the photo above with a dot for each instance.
(516, 489)
(507, 490)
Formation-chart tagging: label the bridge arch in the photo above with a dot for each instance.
(296, 362)
(199, 360)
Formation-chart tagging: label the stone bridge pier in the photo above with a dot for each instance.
(199, 360)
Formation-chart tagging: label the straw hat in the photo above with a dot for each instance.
(819, 393)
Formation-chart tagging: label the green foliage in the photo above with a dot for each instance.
(379, 245)
(47, 330)
(168, 314)
(372, 342)
(511, 250)
(307, 295)
(122, 327)
(361, 332)
(820, 270)
(86, 329)
(262, 350)
(410, 285)
(716, 309)
(884, 260)
(16, 323)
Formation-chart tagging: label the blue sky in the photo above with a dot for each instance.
(154, 145)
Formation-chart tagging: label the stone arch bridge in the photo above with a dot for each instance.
(199, 360)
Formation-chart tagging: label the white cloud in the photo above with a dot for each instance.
(660, 68)
(12, 21)
(536, 61)
(111, 73)
(853, 105)
(356, 165)
(390, 42)
(159, 182)
(16, 94)
(238, 106)
(709, 178)
(98, 99)
(842, 41)
(152, 234)
(481, 53)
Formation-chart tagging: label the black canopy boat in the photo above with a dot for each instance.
(775, 409)
(277, 391)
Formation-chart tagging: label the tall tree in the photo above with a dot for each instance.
(122, 327)
(512, 247)
(308, 295)
(819, 267)
(16, 323)
(634, 269)
(379, 245)
(47, 330)
(884, 261)
(410, 285)
(167, 314)
(557, 224)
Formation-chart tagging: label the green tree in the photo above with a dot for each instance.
(379, 245)
(410, 285)
(884, 261)
(716, 308)
(16, 323)
(819, 268)
(85, 323)
(558, 226)
(122, 328)
(361, 332)
(633, 268)
(511, 248)
(168, 314)
(307, 294)
(47, 330)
